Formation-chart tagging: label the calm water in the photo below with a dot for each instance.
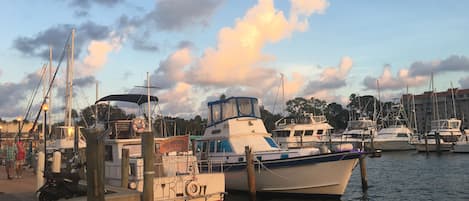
(404, 176)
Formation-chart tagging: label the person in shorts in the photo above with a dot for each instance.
(20, 158)
(10, 157)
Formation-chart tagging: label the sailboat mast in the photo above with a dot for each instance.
(452, 97)
(96, 105)
(283, 93)
(148, 102)
(50, 92)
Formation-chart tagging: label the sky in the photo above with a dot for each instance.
(195, 51)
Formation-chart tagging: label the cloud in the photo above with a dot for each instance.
(171, 70)
(178, 101)
(56, 36)
(453, 63)
(400, 81)
(330, 78)
(170, 15)
(464, 82)
(87, 3)
(18, 93)
(239, 48)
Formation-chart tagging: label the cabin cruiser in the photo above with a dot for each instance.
(235, 124)
(441, 136)
(305, 131)
(396, 135)
(358, 133)
(177, 175)
(394, 138)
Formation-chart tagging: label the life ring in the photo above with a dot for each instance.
(138, 125)
(192, 188)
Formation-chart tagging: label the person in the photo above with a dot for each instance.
(10, 156)
(20, 158)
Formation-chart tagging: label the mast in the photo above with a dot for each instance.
(148, 102)
(96, 105)
(69, 84)
(50, 92)
(414, 112)
(454, 103)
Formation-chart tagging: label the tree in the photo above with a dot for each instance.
(337, 116)
(300, 106)
(269, 119)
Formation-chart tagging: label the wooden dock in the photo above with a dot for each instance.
(22, 189)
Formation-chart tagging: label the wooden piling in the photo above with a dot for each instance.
(125, 168)
(363, 173)
(94, 164)
(437, 142)
(426, 143)
(148, 147)
(251, 173)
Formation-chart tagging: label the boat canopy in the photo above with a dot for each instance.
(232, 107)
(446, 124)
(133, 98)
(361, 124)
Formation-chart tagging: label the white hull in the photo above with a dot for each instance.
(433, 147)
(391, 145)
(461, 148)
(324, 178)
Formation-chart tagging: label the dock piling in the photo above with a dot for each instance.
(94, 164)
(251, 173)
(364, 177)
(125, 168)
(148, 147)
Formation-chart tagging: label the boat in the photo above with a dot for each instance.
(235, 124)
(462, 145)
(299, 132)
(395, 135)
(434, 141)
(357, 134)
(177, 175)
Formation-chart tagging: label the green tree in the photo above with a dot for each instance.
(269, 119)
(336, 115)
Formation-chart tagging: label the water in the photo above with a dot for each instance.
(403, 176)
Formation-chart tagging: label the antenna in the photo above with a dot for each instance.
(452, 97)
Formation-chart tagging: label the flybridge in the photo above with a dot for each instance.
(232, 107)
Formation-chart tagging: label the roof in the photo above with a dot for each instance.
(133, 98)
(227, 99)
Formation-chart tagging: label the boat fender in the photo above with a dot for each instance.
(192, 188)
(138, 125)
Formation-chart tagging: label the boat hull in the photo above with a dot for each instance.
(393, 145)
(326, 174)
(433, 147)
(461, 148)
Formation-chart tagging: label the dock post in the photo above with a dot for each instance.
(148, 149)
(363, 173)
(437, 141)
(125, 168)
(426, 143)
(250, 172)
(94, 164)
(372, 143)
(56, 161)
(40, 169)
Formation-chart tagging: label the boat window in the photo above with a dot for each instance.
(298, 133)
(202, 146)
(209, 118)
(212, 146)
(216, 113)
(108, 153)
(223, 146)
(454, 125)
(281, 134)
(402, 135)
(229, 109)
(320, 132)
(245, 107)
(271, 142)
(257, 111)
(309, 132)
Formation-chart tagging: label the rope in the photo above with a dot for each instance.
(269, 170)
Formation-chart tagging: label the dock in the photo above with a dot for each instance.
(22, 189)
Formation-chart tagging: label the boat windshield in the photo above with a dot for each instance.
(231, 108)
(446, 124)
(354, 125)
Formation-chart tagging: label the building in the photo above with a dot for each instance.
(440, 106)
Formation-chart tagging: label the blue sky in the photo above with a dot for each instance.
(197, 50)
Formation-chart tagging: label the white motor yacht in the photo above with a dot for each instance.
(235, 123)
(462, 145)
(441, 135)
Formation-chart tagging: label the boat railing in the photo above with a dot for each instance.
(188, 166)
(210, 166)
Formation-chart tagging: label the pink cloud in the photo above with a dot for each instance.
(389, 82)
